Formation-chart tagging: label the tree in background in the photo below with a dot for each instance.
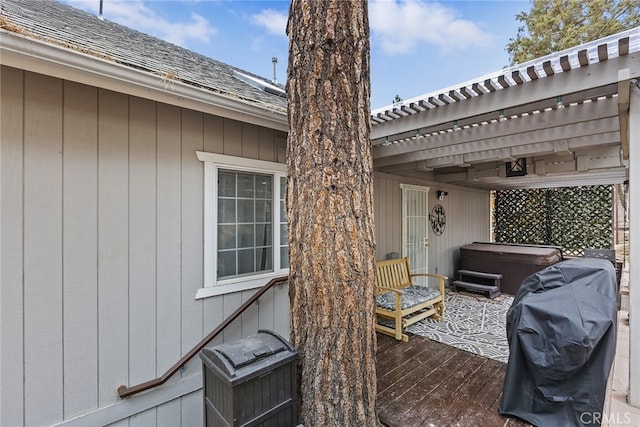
(555, 25)
(330, 212)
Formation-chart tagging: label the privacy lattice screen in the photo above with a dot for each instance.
(573, 218)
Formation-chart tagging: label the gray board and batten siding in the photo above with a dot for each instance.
(102, 215)
(102, 253)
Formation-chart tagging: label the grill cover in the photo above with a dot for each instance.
(561, 330)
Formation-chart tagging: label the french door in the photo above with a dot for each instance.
(415, 229)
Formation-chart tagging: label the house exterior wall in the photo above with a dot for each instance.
(102, 252)
(467, 213)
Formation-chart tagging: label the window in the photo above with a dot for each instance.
(245, 223)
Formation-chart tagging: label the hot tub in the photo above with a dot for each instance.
(514, 262)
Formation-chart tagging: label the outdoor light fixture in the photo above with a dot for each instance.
(559, 103)
(501, 116)
(517, 168)
(455, 126)
(441, 194)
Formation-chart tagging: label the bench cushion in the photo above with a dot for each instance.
(412, 295)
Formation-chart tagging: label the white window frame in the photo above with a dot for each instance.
(212, 163)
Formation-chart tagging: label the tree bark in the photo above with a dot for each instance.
(330, 211)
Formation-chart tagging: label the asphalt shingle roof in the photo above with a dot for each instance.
(67, 26)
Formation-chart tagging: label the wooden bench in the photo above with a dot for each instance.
(478, 281)
(399, 300)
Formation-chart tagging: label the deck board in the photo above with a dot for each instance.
(400, 380)
(391, 372)
(426, 383)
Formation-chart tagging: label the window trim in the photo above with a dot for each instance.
(212, 163)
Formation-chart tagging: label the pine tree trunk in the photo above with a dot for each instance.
(330, 210)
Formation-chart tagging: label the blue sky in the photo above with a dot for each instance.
(417, 46)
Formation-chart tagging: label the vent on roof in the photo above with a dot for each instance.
(260, 84)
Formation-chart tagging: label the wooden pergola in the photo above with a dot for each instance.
(570, 118)
(566, 113)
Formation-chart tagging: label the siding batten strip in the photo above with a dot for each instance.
(142, 247)
(80, 249)
(43, 362)
(192, 226)
(12, 334)
(113, 251)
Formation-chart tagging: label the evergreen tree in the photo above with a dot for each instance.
(554, 25)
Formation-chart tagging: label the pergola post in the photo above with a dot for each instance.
(633, 397)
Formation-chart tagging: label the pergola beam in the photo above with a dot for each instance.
(567, 145)
(490, 179)
(583, 113)
(587, 133)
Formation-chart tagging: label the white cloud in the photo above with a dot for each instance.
(135, 14)
(273, 21)
(400, 25)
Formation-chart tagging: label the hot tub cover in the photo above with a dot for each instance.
(561, 330)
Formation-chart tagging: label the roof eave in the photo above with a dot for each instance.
(26, 53)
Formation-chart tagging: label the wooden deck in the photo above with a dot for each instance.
(425, 383)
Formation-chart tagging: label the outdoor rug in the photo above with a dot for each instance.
(472, 323)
